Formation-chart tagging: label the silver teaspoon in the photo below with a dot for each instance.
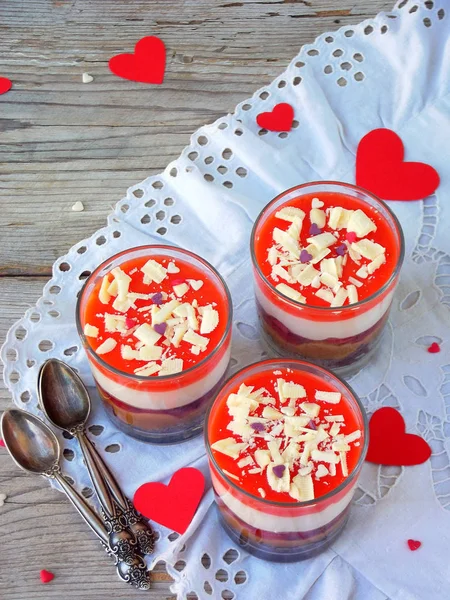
(35, 449)
(66, 402)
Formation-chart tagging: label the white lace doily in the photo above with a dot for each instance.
(391, 71)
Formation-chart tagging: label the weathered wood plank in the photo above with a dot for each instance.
(64, 141)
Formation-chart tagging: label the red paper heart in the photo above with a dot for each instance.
(46, 576)
(146, 65)
(390, 445)
(434, 348)
(414, 544)
(280, 119)
(5, 85)
(380, 168)
(172, 505)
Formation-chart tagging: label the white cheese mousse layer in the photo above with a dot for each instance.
(279, 524)
(321, 330)
(163, 400)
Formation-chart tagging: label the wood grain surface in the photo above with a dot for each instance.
(63, 141)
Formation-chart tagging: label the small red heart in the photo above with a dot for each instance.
(279, 119)
(146, 65)
(350, 236)
(381, 169)
(5, 85)
(46, 576)
(172, 505)
(2, 443)
(390, 445)
(434, 348)
(414, 545)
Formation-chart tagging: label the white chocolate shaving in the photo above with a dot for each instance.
(147, 335)
(153, 272)
(376, 263)
(368, 249)
(229, 446)
(290, 213)
(148, 369)
(103, 294)
(195, 339)
(360, 223)
(181, 289)
(90, 330)
(290, 292)
(286, 242)
(165, 312)
(262, 458)
(108, 345)
(311, 409)
(322, 241)
(352, 294)
(318, 217)
(331, 397)
(328, 457)
(308, 275)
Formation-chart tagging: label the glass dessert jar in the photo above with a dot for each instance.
(155, 322)
(326, 260)
(286, 441)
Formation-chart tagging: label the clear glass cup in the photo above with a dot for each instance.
(342, 339)
(170, 408)
(279, 531)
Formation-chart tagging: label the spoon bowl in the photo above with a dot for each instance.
(32, 445)
(63, 395)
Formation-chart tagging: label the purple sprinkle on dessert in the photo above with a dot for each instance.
(314, 229)
(305, 256)
(312, 425)
(157, 298)
(257, 426)
(278, 471)
(341, 249)
(160, 328)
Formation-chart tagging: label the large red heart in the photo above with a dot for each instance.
(172, 505)
(146, 65)
(389, 444)
(279, 119)
(5, 85)
(380, 168)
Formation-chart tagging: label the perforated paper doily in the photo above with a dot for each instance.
(391, 71)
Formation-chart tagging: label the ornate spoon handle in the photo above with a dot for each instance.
(119, 544)
(141, 530)
(121, 540)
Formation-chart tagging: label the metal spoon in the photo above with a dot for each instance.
(34, 448)
(66, 402)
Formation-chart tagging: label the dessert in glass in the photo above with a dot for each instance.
(326, 260)
(155, 322)
(286, 440)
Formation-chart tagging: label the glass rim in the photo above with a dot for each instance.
(276, 503)
(163, 378)
(347, 307)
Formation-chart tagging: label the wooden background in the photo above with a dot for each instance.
(63, 141)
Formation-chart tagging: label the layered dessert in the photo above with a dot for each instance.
(326, 258)
(155, 322)
(286, 441)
